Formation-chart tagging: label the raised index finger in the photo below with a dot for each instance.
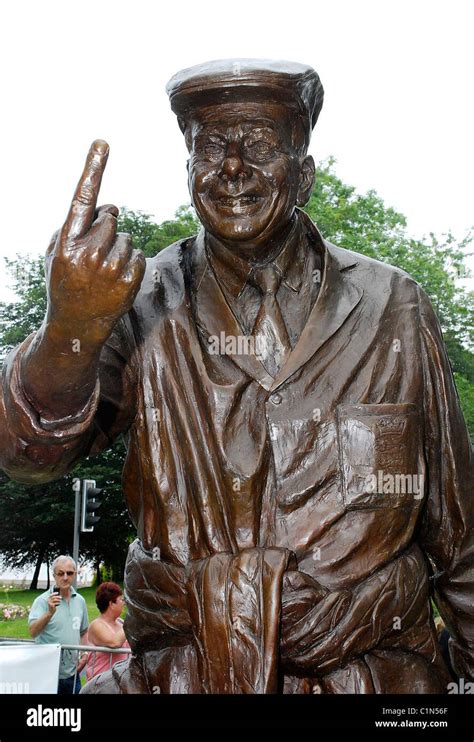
(81, 212)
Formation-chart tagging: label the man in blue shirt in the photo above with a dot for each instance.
(61, 618)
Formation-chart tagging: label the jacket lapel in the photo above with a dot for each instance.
(337, 298)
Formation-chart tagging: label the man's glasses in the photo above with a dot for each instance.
(69, 573)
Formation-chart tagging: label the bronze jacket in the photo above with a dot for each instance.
(291, 530)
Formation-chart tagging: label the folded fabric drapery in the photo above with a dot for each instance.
(235, 605)
(235, 623)
(227, 606)
(389, 609)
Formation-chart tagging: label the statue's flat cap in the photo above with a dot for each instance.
(235, 80)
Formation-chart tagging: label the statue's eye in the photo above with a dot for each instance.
(214, 150)
(259, 149)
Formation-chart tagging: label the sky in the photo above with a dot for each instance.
(398, 114)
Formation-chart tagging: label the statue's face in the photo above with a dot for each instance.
(244, 171)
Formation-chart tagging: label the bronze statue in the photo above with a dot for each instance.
(298, 467)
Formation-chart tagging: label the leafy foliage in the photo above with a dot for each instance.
(150, 237)
(20, 318)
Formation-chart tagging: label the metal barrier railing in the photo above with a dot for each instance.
(79, 649)
(92, 649)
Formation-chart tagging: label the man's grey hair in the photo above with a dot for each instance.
(62, 558)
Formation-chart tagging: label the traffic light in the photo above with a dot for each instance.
(90, 503)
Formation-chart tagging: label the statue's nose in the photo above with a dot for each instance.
(233, 166)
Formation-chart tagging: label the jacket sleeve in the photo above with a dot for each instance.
(447, 529)
(32, 450)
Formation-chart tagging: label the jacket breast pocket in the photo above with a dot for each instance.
(380, 455)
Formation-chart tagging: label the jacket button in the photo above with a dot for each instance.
(275, 398)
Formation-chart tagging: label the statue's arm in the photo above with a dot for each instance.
(54, 386)
(34, 449)
(447, 533)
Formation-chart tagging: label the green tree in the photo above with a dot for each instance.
(466, 394)
(20, 318)
(38, 520)
(150, 237)
(37, 523)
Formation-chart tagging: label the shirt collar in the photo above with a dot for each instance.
(233, 271)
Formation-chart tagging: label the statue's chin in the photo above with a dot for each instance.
(248, 237)
(237, 222)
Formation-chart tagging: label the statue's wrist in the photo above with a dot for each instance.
(79, 337)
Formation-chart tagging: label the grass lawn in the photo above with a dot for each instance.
(18, 628)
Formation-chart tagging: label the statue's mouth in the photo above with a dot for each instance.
(239, 202)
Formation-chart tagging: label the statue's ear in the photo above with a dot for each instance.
(306, 181)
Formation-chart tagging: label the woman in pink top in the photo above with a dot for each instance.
(107, 630)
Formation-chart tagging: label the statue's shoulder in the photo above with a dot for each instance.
(169, 263)
(372, 274)
(171, 256)
(164, 282)
(366, 269)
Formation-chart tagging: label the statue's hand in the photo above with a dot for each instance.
(92, 273)
(300, 594)
(310, 613)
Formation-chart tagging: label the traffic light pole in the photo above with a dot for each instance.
(91, 502)
(77, 529)
(85, 504)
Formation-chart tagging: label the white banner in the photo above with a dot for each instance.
(29, 668)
